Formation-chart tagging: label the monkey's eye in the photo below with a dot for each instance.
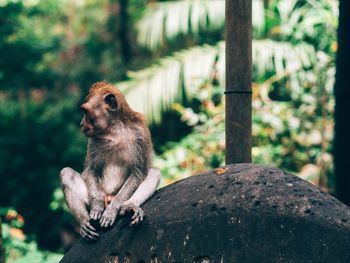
(111, 101)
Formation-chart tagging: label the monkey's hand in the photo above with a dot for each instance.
(135, 209)
(87, 231)
(96, 210)
(109, 215)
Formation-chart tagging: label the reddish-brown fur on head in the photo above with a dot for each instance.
(99, 116)
(102, 88)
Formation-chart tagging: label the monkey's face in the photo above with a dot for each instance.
(98, 113)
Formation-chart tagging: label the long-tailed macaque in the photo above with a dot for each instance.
(117, 174)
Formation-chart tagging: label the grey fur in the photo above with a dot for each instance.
(117, 163)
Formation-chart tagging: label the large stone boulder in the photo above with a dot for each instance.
(237, 213)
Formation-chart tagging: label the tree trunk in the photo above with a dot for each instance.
(342, 106)
(123, 31)
(238, 81)
(118, 27)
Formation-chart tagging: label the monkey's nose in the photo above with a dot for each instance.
(85, 108)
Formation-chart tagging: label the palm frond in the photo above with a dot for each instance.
(279, 57)
(300, 20)
(163, 21)
(154, 89)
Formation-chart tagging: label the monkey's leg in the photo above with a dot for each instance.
(112, 210)
(77, 199)
(75, 193)
(143, 192)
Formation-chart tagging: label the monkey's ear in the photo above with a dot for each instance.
(111, 101)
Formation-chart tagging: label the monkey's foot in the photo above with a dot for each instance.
(135, 209)
(109, 215)
(96, 211)
(87, 231)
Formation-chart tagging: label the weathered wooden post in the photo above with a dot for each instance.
(238, 81)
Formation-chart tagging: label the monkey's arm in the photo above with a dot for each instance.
(146, 188)
(96, 195)
(112, 210)
(143, 192)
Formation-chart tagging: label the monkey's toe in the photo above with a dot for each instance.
(136, 210)
(88, 232)
(108, 218)
(95, 215)
(136, 221)
(105, 222)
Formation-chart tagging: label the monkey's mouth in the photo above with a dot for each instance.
(87, 131)
(86, 127)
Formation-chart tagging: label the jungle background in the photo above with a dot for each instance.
(168, 57)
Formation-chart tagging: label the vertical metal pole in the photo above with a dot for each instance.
(238, 81)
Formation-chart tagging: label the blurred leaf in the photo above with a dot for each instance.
(164, 21)
(154, 89)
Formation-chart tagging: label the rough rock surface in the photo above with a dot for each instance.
(237, 213)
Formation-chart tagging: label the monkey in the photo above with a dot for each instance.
(117, 177)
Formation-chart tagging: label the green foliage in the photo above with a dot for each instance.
(38, 138)
(173, 78)
(293, 70)
(23, 42)
(204, 147)
(18, 247)
(51, 52)
(162, 22)
(170, 80)
(90, 50)
(294, 133)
